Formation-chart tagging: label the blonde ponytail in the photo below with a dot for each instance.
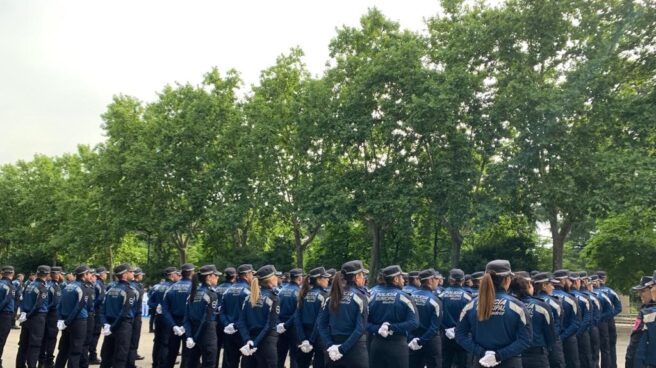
(486, 296)
(255, 291)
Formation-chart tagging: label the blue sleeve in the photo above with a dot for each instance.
(7, 298)
(372, 327)
(573, 325)
(522, 340)
(290, 321)
(323, 326)
(38, 302)
(464, 336)
(436, 320)
(166, 312)
(549, 331)
(78, 307)
(187, 321)
(222, 314)
(586, 318)
(617, 304)
(298, 324)
(152, 302)
(272, 318)
(358, 330)
(242, 327)
(103, 311)
(411, 322)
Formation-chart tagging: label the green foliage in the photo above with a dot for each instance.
(625, 246)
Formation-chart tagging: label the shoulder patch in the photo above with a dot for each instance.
(358, 299)
(466, 309)
(572, 303)
(517, 309)
(436, 307)
(649, 318)
(544, 312)
(407, 302)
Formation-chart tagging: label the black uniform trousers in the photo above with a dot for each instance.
(219, 340)
(86, 347)
(173, 347)
(71, 344)
(357, 357)
(391, 351)
(571, 352)
(231, 345)
(47, 354)
(31, 337)
(604, 345)
(266, 355)
(160, 341)
(585, 349)
(314, 357)
(6, 321)
(287, 343)
(556, 355)
(134, 341)
(594, 344)
(430, 354)
(514, 362)
(535, 357)
(612, 336)
(452, 353)
(93, 345)
(115, 347)
(204, 354)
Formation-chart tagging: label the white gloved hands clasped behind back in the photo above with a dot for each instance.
(489, 359)
(22, 318)
(384, 330)
(414, 344)
(190, 343)
(280, 328)
(306, 347)
(179, 330)
(61, 325)
(334, 354)
(230, 329)
(106, 330)
(248, 349)
(450, 333)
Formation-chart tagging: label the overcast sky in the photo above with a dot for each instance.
(62, 61)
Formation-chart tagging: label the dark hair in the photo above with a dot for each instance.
(338, 289)
(194, 288)
(456, 282)
(487, 294)
(519, 287)
(307, 284)
(187, 274)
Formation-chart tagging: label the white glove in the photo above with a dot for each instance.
(230, 329)
(61, 326)
(334, 354)
(414, 344)
(158, 310)
(22, 318)
(178, 330)
(106, 330)
(248, 349)
(489, 359)
(190, 343)
(450, 333)
(384, 330)
(280, 328)
(306, 347)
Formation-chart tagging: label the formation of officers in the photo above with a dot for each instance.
(327, 318)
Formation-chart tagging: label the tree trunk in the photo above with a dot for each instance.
(298, 245)
(558, 236)
(377, 239)
(435, 243)
(456, 245)
(180, 242)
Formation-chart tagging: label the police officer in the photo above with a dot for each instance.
(541, 319)
(117, 316)
(454, 298)
(606, 313)
(34, 308)
(468, 284)
(230, 275)
(258, 317)
(47, 354)
(571, 320)
(200, 318)
(137, 284)
(425, 345)
(89, 287)
(636, 352)
(392, 317)
(7, 306)
(310, 299)
(586, 288)
(413, 283)
(440, 284)
(72, 315)
(288, 297)
(495, 327)
(583, 334)
(18, 287)
(99, 298)
(343, 319)
(231, 305)
(174, 305)
(544, 285)
(155, 298)
(617, 309)
(649, 316)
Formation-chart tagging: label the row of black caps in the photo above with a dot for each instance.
(45, 269)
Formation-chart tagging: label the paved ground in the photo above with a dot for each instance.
(146, 346)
